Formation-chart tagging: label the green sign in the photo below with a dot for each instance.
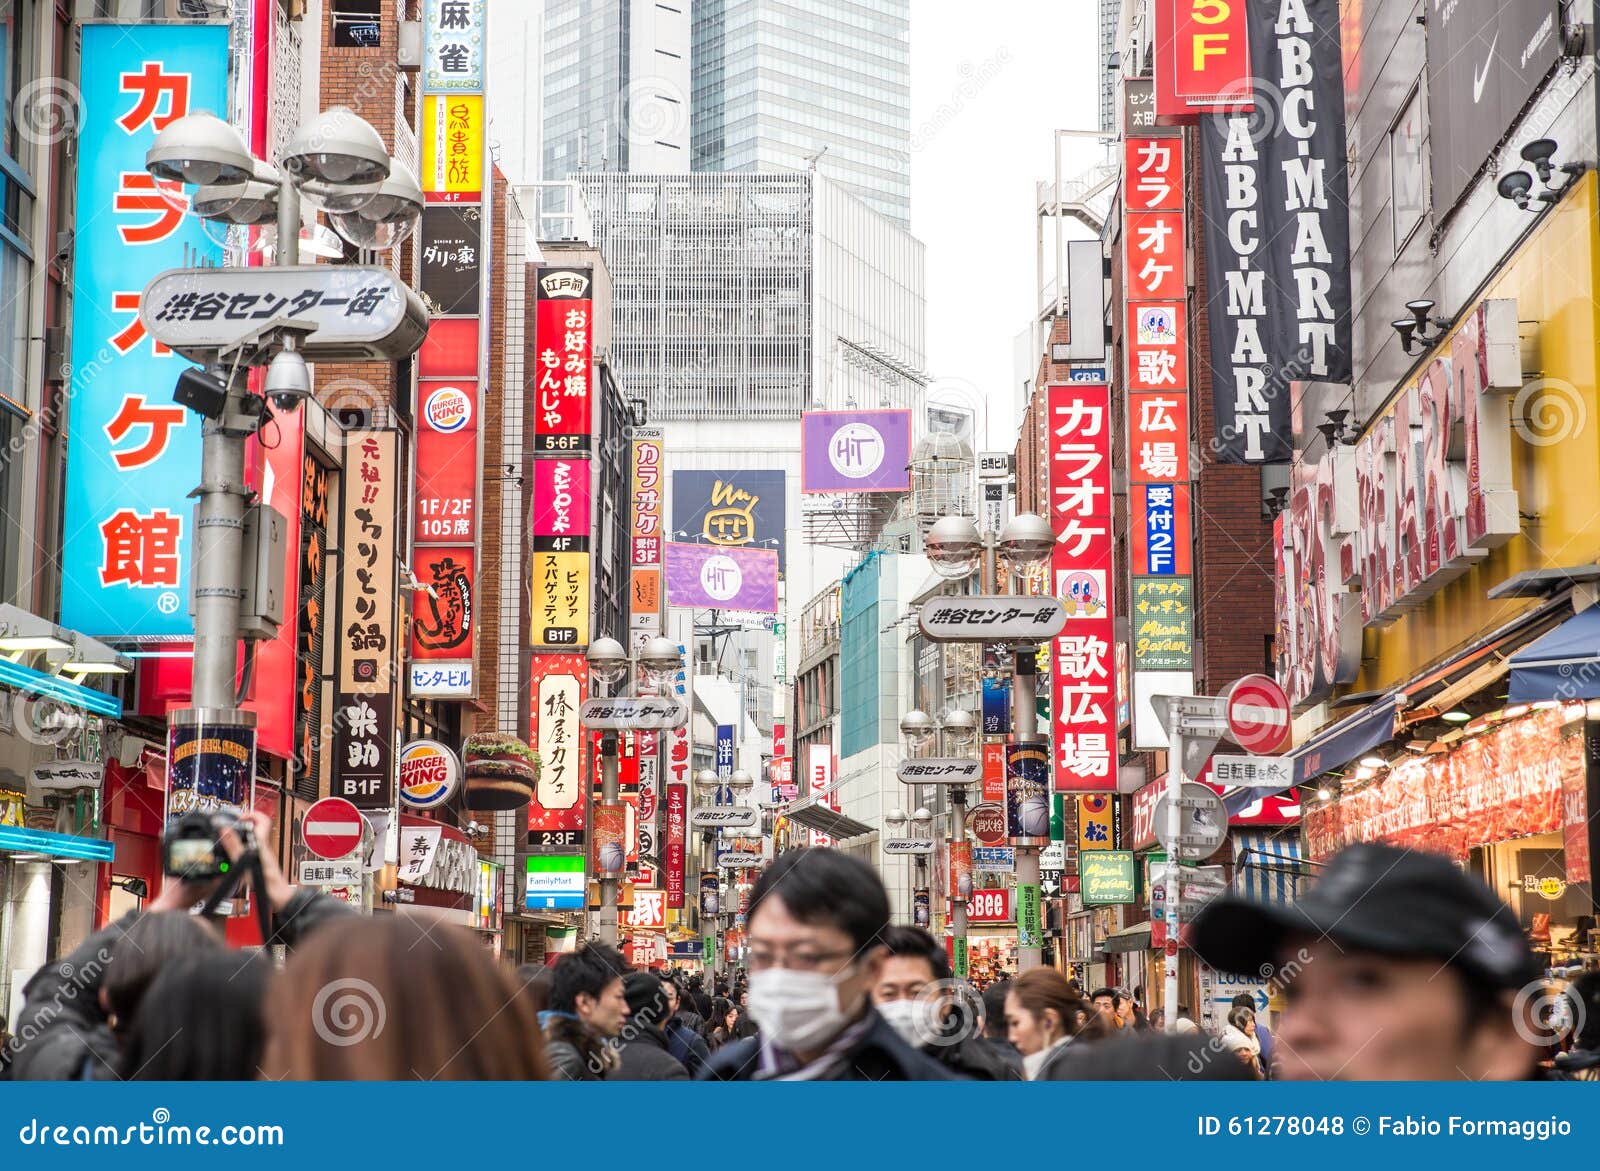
(1058, 817)
(710, 953)
(1163, 623)
(961, 958)
(1106, 877)
(1029, 931)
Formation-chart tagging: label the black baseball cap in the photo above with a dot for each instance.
(1375, 898)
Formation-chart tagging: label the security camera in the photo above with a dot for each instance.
(288, 379)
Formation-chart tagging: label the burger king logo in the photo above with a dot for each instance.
(429, 774)
(448, 410)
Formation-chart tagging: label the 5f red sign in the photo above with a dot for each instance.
(1202, 58)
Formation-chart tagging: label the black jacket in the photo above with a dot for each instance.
(686, 1044)
(645, 1057)
(62, 1034)
(879, 1055)
(978, 1059)
(574, 1053)
(1577, 1065)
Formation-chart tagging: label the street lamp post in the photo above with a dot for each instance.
(609, 664)
(708, 784)
(955, 548)
(340, 161)
(955, 735)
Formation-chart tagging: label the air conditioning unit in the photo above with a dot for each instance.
(408, 47)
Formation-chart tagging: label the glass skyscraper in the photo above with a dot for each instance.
(780, 85)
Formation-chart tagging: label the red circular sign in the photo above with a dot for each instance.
(1172, 947)
(1258, 714)
(332, 828)
(988, 824)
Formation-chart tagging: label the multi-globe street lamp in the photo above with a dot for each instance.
(956, 548)
(610, 665)
(952, 738)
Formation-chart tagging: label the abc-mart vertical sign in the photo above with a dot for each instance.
(446, 543)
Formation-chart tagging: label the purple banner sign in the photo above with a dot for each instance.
(855, 451)
(722, 578)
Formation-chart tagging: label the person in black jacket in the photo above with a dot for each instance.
(645, 1053)
(814, 926)
(76, 1011)
(587, 1010)
(913, 993)
(683, 1027)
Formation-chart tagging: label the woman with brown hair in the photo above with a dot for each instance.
(394, 998)
(1043, 1016)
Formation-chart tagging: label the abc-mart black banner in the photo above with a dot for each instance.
(1277, 231)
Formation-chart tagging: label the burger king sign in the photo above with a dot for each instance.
(429, 774)
(448, 409)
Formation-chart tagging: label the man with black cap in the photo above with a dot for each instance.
(1394, 966)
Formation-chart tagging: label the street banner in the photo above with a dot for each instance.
(716, 578)
(558, 685)
(724, 751)
(1277, 233)
(736, 507)
(1202, 57)
(1163, 623)
(454, 46)
(452, 133)
(133, 455)
(645, 528)
(677, 829)
(1027, 794)
(1160, 530)
(445, 532)
(1158, 437)
(449, 253)
(1083, 709)
(563, 351)
(855, 451)
(363, 771)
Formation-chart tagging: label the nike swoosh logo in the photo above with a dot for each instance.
(1478, 78)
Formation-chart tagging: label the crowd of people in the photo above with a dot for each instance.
(1396, 965)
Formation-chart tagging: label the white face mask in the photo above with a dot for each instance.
(797, 1011)
(912, 1019)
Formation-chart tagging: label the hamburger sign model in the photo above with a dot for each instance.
(429, 774)
(500, 770)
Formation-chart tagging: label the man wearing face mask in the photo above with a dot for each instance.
(913, 994)
(814, 950)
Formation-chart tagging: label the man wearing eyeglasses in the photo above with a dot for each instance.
(814, 954)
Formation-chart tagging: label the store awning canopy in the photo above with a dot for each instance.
(1267, 867)
(814, 815)
(1338, 745)
(1134, 938)
(1564, 664)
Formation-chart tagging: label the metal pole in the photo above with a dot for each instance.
(1025, 730)
(219, 527)
(958, 901)
(608, 796)
(1170, 867)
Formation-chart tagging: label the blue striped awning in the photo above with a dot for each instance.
(1266, 867)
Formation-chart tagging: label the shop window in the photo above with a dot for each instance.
(356, 24)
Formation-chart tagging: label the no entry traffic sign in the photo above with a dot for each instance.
(332, 828)
(1258, 714)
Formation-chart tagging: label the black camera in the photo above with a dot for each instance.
(189, 844)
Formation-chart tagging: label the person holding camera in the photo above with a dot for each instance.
(78, 1011)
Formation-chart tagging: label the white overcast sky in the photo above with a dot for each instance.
(978, 148)
(989, 84)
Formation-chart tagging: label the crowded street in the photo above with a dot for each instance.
(819, 541)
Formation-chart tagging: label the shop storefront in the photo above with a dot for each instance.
(53, 841)
(1463, 615)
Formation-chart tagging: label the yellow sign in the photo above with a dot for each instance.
(560, 609)
(1097, 821)
(452, 144)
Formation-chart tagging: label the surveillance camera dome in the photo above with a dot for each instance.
(288, 380)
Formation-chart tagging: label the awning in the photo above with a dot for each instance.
(1135, 938)
(1563, 664)
(1350, 738)
(814, 815)
(1267, 867)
